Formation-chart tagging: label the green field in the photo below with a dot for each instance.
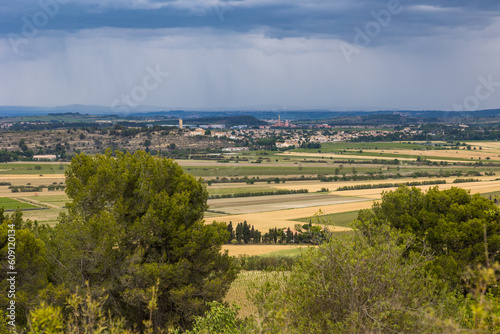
(57, 200)
(13, 204)
(236, 171)
(284, 252)
(237, 190)
(32, 168)
(336, 219)
(299, 169)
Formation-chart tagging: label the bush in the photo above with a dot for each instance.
(267, 262)
(356, 283)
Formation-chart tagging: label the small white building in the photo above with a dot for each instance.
(234, 149)
(45, 157)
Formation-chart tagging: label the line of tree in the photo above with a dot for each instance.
(261, 193)
(310, 145)
(30, 188)
(371, 176)
(390, 185)
(54, 187)
(344, 177)
(369, 161)
(6, 156)
(245, 233)
(16, 189)
(466, 180)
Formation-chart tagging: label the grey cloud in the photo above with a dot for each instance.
(333, 19)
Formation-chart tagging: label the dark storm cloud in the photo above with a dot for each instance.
(331, 19)
(426, 55)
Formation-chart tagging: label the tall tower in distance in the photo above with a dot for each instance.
(180, 123)
(279, 121)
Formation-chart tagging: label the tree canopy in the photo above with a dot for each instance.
(135, 219)
(452, 222)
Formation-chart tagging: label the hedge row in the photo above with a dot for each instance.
(53, 187)
(28, 188)
(465, 180)
(390, 185)
(335, 178)
(16, 189)
(261, 193)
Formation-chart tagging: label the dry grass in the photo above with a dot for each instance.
(410, 155)
(245, 284)
(35, 180)
(263, 221)
(453, 154)
(474, 187)
(316, 185)
(244, 205)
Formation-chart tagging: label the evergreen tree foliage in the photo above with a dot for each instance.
(453, 223)
(135, 219)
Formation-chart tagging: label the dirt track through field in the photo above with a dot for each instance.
(242, 205)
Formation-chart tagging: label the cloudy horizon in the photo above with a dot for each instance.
(358, 54)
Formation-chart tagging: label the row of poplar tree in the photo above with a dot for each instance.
(245, 233)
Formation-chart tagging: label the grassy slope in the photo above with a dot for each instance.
(337, 219)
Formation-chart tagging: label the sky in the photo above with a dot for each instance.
(275, 54)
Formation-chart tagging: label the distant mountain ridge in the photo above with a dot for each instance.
(314, 114)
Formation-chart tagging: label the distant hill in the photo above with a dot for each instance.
(227, 121)
(292, 115)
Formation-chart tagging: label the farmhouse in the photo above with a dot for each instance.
(45, 157)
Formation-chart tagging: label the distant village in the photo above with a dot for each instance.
(290, 135)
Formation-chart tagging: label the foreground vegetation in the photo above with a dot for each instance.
(131, 253)
(133, 220)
